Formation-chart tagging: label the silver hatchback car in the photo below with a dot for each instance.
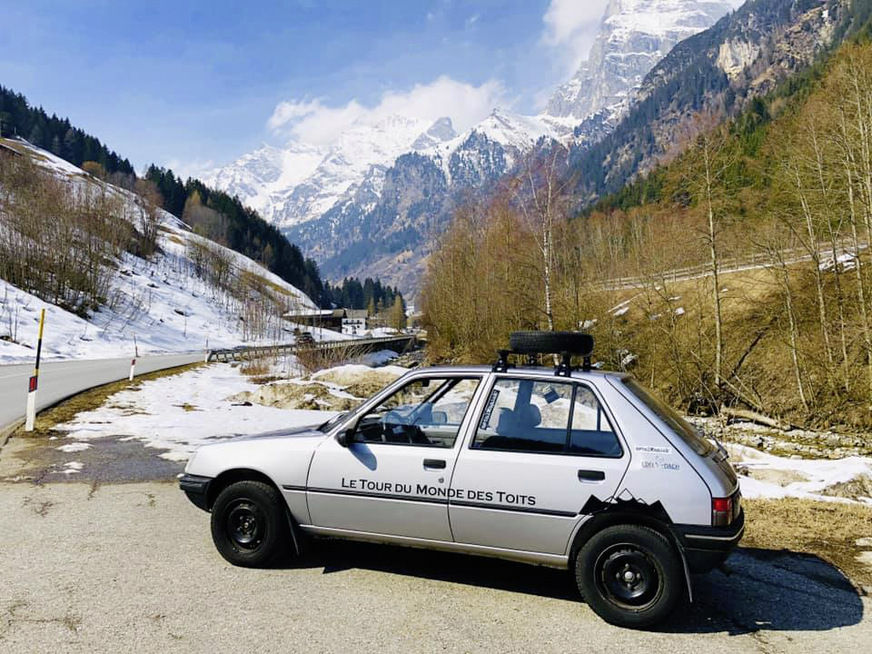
(564, 467)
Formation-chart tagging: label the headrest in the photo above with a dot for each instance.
(515, 422)
(530, 416)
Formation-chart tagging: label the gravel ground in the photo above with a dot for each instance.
(130, 567)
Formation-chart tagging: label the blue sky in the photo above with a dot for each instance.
(196, 84)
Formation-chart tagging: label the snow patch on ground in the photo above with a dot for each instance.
(354, 371)
(71, 468)
(767, 476)
(843, 262)
(75, 447)
(374, 359)
(178, 414)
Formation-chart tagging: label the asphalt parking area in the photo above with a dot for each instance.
(131, 567)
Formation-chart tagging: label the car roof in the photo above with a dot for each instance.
(526, 371)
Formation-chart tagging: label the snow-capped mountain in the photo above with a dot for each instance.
(745, 55)
(300, 182)
(388, 187)
(634, 35)
(509, 133)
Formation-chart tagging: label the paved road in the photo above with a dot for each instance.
(61, 379)
(131, 568)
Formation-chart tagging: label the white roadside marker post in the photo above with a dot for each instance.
(206, 351)
(133, 360)
(30, 416)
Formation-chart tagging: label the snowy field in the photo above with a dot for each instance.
(767, 476)
(179, 413)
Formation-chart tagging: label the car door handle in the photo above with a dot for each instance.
(437, 464)
(591, 475)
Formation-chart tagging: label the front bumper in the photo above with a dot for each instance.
(708, 547)
(197, 489)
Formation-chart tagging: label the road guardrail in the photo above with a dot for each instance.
(400, 344)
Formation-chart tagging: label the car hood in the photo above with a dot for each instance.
(282, 455)
(296, 432)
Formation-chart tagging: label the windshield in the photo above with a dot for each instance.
(330, 424)
(668, 415)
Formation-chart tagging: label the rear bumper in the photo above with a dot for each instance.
(708, 547)
(197, 489)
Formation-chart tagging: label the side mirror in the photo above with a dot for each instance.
(346, 437)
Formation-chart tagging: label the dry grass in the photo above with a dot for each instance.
(315, 358)
(256, 368)
(47, 420)
(829, 530)
(310, 396)
(363, 383)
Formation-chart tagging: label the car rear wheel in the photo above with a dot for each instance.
(629, 575)
(249, 525)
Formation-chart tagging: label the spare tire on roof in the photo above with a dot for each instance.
(574, 343)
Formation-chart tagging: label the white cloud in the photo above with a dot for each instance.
(287, 111)
(195, 168)
(312, 121)
(571, 26)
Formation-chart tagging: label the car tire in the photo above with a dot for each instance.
(629, 575)
(249, 524)
(551, 343)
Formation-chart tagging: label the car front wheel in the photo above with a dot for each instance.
(629, 575)
(249, 526)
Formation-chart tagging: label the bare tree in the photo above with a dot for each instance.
(709, 161)
(539, 193)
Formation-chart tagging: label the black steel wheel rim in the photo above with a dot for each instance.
(245, 524)
(627, 576)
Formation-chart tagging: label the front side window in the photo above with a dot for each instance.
(425, 412)
(524, 415)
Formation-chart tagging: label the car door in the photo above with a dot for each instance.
(539, 451)
(394, 476)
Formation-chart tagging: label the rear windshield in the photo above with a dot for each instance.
(668, 415)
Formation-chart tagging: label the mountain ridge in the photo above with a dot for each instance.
(365, 231)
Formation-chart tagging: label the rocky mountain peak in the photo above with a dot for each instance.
(634, 35)
(439, 132)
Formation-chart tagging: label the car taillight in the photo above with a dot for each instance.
(722, 511)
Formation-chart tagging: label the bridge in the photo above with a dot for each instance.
(353, 347)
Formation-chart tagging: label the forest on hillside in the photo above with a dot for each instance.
(738, 275)
(57, 135)
(214, 214)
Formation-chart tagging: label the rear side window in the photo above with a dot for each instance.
(673, 420)
(591, 433)
(524, 415)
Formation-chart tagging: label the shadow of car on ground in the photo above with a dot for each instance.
(767, 590)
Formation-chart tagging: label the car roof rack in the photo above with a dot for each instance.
(535, 344)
